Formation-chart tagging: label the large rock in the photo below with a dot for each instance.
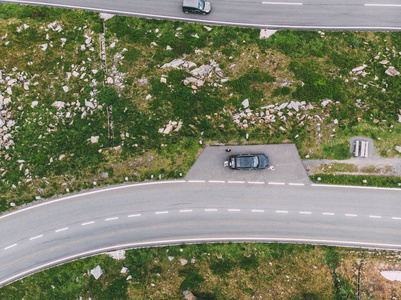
(245, 103)
(358, 70)
(58, 104)
(174, 64)
(118, 255)
(391, 275)
(97, 272)
(266, 33)
(392, 71)
(189, 296)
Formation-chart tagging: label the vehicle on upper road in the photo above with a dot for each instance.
(247, 162)
(196, 6)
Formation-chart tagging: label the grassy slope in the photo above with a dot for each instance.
(219, 271)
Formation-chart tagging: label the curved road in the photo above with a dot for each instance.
(175, 212)
(275, 14)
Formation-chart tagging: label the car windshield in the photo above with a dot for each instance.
(201, 5)
(255, 161)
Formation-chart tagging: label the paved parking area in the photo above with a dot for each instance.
(287, 164)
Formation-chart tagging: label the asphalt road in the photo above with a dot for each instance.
(276, 14)
(163, 213)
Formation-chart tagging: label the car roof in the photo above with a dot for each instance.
(192, 3)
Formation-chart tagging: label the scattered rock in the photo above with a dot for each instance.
(326, 102)
(266, 33)
(94, 139)
(358, 70)
(58, 104)
(123, 270)
(391, 275)
(392, 71)
(170, 258)
(65, 88)
(189, 296)
(384, 62)
(245, 103)
(97, 272)
(118, 254)
(398, 148)
(183, 261)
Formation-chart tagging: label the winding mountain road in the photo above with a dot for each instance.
(276, 14)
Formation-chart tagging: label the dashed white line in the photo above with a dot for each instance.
(383, 5)
(236, 181)
(233, 209)
(351, 215)
(210, 209)
(375, 217)
(185, 210)
(281, 211)
(61, 229)
(277, 183)
(258, 211)
(216, 181)
(87, 223)
(161, 212)
(136, 215)
(36, 237)
(297, 184)
(328, 214)
(256, 182)
(11, 246)
(282, 3)
(111, 219)
(396, 218)
(305, 212)
(196, 181)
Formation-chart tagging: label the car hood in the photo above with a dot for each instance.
(208, 7)
(263, 161)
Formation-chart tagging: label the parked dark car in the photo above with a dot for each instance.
(247, 161)
(196, 6)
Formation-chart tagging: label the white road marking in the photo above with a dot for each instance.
(396, 218)
(258, 211)
(136, 215)
(383, 5)
(213, 22)
(61, 229)
(185, 210)
(236, 181)
(210, 209)
(36, 237)
(196, 181)
(282, 3)
(111, 219)
(161, 212)
(88, 223)
(256, 182)
(233, 209)
(351, 215)
(216, 181)
(375, 217)
(281, 211)
(328, 214)
(13, 245)
(277, 183)
(305, 212)
(300, 184)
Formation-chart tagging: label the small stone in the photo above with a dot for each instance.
(123, 270)
(117, 255)
(398, 148)
(97, 272)
(129, 277)
(183, 261)
(65, 88)
(170, 258)
(245, 103)
(94, 139)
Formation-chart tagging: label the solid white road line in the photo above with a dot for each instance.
(88, 223)
(216, 181)
(210, 209)
(282, 3)
(61, 229)
(111, 219)
(185, 210)
(236, 181)
(328, 214)
(281, 212)
(161, 212)
(383, 5)
(256, 182)
(233, 209)
(305, 212)
(277, 183)
(136, 215)
(351, 215)
(375, 217)
(258, 211)
(35, 237)
(11, 246)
